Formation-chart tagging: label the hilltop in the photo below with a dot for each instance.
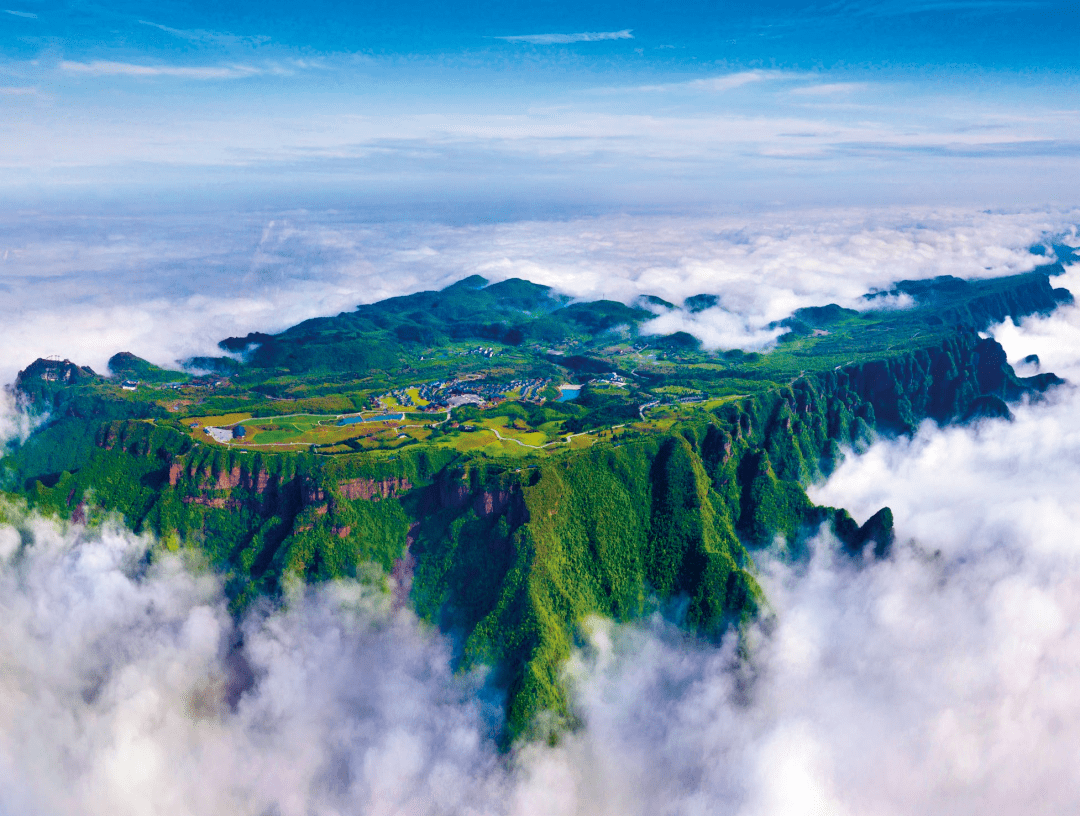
(517, 461)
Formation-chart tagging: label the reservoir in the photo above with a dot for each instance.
(569, 392)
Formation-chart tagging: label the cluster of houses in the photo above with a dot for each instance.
(530, 389)
(197, 384)
(614, 379)
(402, 397)
(441, 394)
(429, 391)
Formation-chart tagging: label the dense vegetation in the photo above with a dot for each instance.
(654, 487)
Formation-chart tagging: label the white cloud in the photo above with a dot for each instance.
(716, 328)
(27, 14)
(695, 141)
(201, 35)
(124, 692)
(16, 424)
(830, 89)
(727, 82)
(563, 39)
(111, 68)
(86, 289)
(762, 266)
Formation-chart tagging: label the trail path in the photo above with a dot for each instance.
(502, 438)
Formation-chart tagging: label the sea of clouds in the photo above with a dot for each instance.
(127, 689)
(940, 680)
(169, 287)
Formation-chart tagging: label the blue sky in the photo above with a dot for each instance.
(550, 104)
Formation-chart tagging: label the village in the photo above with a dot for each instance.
(439, 395)
(419, 413)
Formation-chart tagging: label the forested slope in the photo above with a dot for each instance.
(512, 555)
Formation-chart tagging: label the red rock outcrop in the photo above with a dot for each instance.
(370, 488)
(491, 503)
(213, 501)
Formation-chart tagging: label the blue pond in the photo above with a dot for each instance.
(569, 394)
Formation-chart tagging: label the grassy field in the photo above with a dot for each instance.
(292, 407)
(217, 421)
(520, 431)
(498, 435)
(303, 430)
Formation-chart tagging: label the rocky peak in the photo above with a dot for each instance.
(52, 370)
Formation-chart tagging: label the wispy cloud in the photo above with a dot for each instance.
(830, 89)
(16, 91)
(958, 148)
(563, 39)
(111, 68)
(200, 35)
(725, 82)
(892, 8)
(26, 14)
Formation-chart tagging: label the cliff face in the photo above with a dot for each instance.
(978, 304)
(946, 383)
(615, 530)
(513, 559)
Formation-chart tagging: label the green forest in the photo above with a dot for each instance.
(424, 439)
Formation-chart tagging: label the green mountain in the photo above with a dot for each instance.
(127, 366)
(427, 434)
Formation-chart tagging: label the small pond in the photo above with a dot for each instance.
(569, 392)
